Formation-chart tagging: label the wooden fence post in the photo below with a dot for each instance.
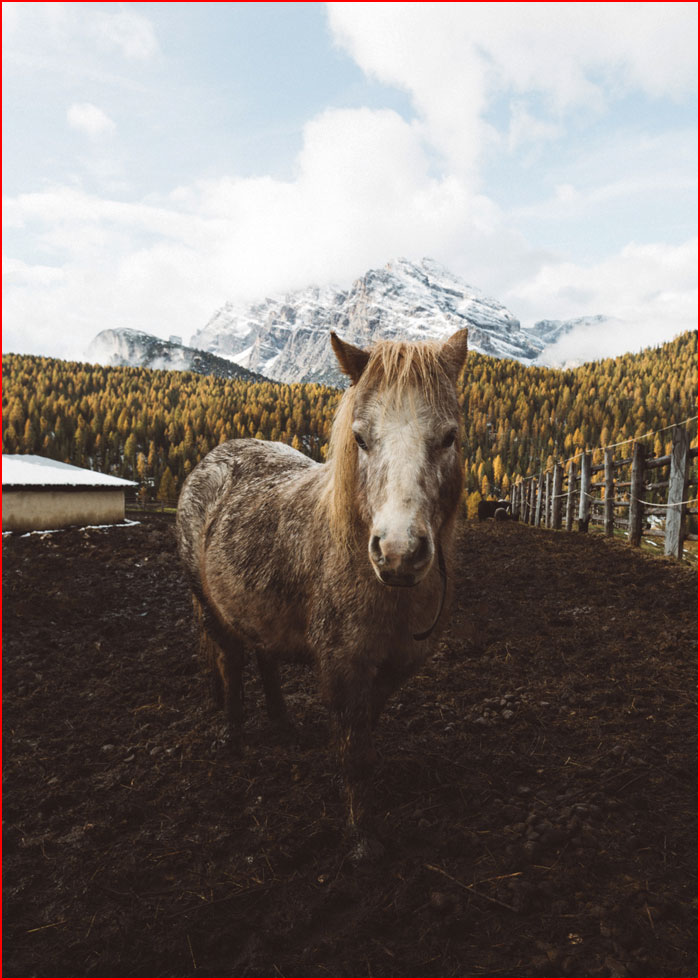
(584, 507)
(677, 490)
(526, 491)
(556, 495)
(531, 506)
(609, 513)
(538, 509)
(636, 495)
(570, 496)
(548, 500)
(522, 500)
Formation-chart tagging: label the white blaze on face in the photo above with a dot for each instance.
(401, 545)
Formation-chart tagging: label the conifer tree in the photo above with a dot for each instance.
(167, 490)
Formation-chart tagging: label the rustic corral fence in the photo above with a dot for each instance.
(136, 505)
(617, 493)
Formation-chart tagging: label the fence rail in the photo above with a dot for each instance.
(558, 497)
(149, 506)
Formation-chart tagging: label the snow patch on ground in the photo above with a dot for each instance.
(73, 527)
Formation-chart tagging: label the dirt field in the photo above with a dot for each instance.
(536, 784)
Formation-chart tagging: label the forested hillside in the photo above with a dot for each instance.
(518, 418)
(154, 426)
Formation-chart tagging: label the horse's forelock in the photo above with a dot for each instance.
(397, 366)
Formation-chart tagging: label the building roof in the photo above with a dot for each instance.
(37, 471)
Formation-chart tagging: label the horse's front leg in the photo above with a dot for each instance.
(390, 676)
(350, 698)
(274, 699)
(352, 735)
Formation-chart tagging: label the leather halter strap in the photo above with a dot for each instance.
(443, 575)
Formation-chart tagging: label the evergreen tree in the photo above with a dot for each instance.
(167, 491)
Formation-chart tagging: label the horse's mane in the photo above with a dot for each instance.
(394, 367)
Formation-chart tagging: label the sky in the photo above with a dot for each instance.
(161, 159)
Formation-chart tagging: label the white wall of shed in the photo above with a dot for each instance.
(43, 510)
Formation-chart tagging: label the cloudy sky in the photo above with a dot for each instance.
(163, 158)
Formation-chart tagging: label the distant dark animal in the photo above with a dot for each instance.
(488, 508)
(501, 514)
(346, 563)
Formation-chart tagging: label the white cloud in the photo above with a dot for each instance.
(454, 58)
(129, 32)
(424, 49)
(90, 119)
(525, 128)
(78, 41)
(650, 289)
(16, 272)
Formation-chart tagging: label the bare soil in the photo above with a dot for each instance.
(535, 791)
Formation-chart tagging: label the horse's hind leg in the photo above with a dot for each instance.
(209, 654)
(226, 659)
(226, 663)
(274, 699)
(232, 682)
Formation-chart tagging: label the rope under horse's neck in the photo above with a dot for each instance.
(443, 576)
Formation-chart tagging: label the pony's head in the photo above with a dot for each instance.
(394, 452)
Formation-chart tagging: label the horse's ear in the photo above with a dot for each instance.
(453, 353)
(352, 360)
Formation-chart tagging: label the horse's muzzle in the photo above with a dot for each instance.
(402, 563)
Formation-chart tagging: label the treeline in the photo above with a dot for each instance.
(520, 418)
(155, 426)
(150, 426)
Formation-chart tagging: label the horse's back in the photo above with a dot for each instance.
(232, 495)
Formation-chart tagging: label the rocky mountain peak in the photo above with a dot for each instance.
(286, 337)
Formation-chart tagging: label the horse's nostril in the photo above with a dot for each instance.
(375, 550)
(422, 550)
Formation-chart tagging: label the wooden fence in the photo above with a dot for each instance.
(617, 493)
(134, 504)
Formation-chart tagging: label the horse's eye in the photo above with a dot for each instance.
(360, 441)
(449, 439)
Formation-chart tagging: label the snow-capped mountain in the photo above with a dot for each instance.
(133, 348)
(286, 337)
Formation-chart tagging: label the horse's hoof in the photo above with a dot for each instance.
(217, 746)
(231, 743)
(365, 850)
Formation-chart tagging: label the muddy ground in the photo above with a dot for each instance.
(536, 786)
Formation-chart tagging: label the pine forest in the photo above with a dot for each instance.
(155, 426)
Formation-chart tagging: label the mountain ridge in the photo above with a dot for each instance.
(286, 337)
(125, 347)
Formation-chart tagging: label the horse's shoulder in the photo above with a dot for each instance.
(261, 455)
(242, 452)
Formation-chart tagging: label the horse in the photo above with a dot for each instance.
(490, 508)
(346, 563)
